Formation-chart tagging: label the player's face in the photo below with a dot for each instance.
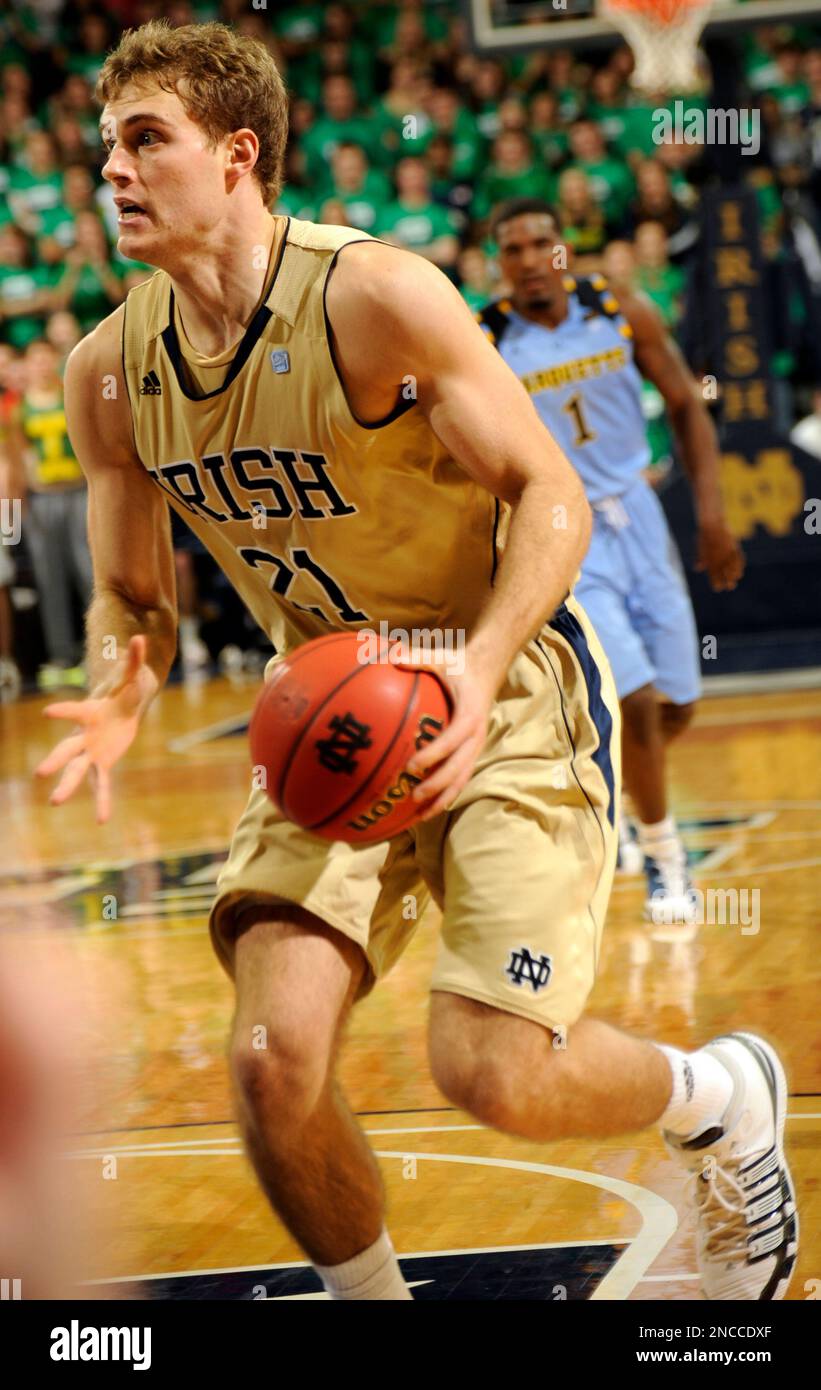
(528, 259)
(168, 180)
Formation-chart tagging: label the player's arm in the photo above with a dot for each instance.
(132, 621)
(659, 360)
(393, 316)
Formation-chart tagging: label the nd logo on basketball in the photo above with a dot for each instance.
(524, 968)
(347, 737)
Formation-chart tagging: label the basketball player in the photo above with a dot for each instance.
(269, 363)
(579, 354)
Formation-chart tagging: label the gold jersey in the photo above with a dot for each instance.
(319, 521)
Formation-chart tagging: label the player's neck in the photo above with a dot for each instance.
(548, 315)
(219, 291)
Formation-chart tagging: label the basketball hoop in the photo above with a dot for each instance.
(663, 35)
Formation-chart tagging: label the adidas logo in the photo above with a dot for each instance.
(151, 385)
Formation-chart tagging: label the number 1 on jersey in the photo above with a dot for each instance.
(575, 408)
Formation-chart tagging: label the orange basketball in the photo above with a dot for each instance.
(334, 733)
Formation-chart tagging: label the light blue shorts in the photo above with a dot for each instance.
(633, 589)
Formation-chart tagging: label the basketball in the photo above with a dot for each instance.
(333, 734)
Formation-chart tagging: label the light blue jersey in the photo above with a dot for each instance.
(584, 383)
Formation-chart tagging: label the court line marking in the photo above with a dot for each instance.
(411, 1255)
(193, 1148)
(665, 1278)
(659, 1219)
(231, 725)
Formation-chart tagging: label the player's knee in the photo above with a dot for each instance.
(279, 1078)
(481, 1085)
(640, 713)
(675, 718)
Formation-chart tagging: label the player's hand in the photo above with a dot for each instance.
(108, 724)
(720, 555)
(446, 763)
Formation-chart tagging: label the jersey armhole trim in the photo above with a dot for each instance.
(400, 408)
(125, 383)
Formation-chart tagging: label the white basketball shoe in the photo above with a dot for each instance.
(740, 1184)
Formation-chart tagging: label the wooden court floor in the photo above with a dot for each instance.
(473, 1213)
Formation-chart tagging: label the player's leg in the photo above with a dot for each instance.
(643, 758)
(193, 651)
(296, 979)
(508, 1040)
(45, 535)
(517, 1076)
(721, 1108)
(604, 590)
(77, 537)
(675, 718)
(300, 957)
(10, 680)
(661, 616)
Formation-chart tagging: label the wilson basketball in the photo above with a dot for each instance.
(334, 733)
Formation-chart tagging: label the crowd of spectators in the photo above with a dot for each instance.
(400, 129)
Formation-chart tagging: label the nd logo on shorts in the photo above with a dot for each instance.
(524, 968)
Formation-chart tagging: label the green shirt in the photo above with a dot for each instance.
(59, 223)
(89, 302)
(791, 96)
(299, 23)
(319, 143)
(659, 436)
(87, 64)
(665, 287)
(34, 192)
(552, 146)
(495, 187)
(613, 121)
(15, 285)
(296, 202)
(365, 206)
(475, 299)
(415, 227)
(611, 184)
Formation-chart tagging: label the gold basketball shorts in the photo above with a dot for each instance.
(520, 865)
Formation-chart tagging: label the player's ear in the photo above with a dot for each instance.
(242, 153)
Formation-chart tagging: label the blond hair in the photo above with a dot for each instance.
(224, 80)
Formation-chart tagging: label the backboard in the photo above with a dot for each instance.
(514, 26)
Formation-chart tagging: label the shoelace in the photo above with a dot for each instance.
(726, 1239)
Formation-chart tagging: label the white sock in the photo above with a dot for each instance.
(374, 1274)
(660, 840)
(702, 1091)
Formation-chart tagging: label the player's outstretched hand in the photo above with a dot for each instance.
(720, 554)
(108, 724)
(446, 763)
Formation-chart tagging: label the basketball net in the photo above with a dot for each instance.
(663, 35)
